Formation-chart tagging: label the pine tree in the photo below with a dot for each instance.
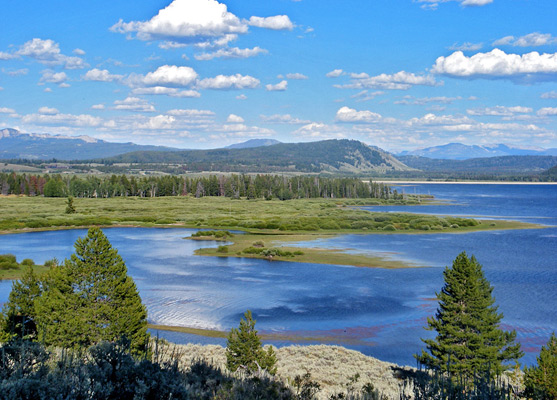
(18, 315)
(541, 380)
(468, 340)
(243, 349)
(91, 298)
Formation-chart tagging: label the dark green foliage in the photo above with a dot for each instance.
(222, 249)
(8, 261)
(432, 384)
(91, 298)
(306, 389)
(215, 234)
(27, 262)
(244, 351)
(70, 208)
(469, 341)
(18, 318)
(541, 380)
(108, 371)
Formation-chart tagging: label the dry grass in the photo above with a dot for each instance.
(330, 366)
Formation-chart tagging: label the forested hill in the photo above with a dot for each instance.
(345, 156)
(493, 165)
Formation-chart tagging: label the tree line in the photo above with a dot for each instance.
(231, 186)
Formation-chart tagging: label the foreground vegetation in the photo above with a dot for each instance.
(89, 315)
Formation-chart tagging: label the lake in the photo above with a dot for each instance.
(379, 312)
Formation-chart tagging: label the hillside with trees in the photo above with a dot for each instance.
(333, 156)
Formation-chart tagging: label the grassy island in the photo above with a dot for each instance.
(269, 225)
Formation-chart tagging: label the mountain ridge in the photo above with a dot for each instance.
(459, 151)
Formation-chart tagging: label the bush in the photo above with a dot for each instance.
(51, 263)
(222, 249)
(28, 262)
(8, 261)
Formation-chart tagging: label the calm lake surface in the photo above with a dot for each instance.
(377, 311)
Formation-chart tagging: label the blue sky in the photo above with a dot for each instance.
(398, 74)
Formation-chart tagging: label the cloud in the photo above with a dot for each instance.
(191, 113)
(433, 4)
(400, 81)
(283, 119)
(549, 95)
(159, 122)
(296, 76)
(335, 73)
(170, 75)
(500, 111)
(166, 91)
(498, 64)
(235, 119)
(48, 111)
(409, 100)
(97, 106)
(365, 95)
(6, 110)
(7, 56)
(346, 114)
(48, 52)
(547, 111)
(133, 104)
(279, 87)
(277, 22)
(466, 46)
(233, 52)
(319, 130)
(15, 72)
(445, 120)
(187, 22)
(241, 97)
(529, 40)
(227, 82)
(50, 76)
(79, 52)
(82, 120)
(101, 75)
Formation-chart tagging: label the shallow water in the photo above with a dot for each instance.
(377, 311)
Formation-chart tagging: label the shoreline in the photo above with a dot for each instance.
(422, 182)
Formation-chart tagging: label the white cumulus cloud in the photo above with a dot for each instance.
(101, 75)
(497, 64)
(277, 22)
(547, 111)
(133, 104)
(170, 75)
(48, 52)
(49, 76)
(159, 122)
(279, 87)
(6, 110)
(346, 114)
(335, 73)
(186, 21)
(549, 95)
(283, 119)
(296, 76)
(433, 4)
(227, 82)
(234, 119)
(48, 111)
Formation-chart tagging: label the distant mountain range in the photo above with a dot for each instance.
(459, 151)
(253, 143)
(269, 155)
(344, 156)
(40, 146)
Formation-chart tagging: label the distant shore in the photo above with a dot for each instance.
(463, 182)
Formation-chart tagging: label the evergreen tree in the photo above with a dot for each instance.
(468, 340)
(243, 349)
(541, 380)
(70, 208)
(91, 298)
(18, 315)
